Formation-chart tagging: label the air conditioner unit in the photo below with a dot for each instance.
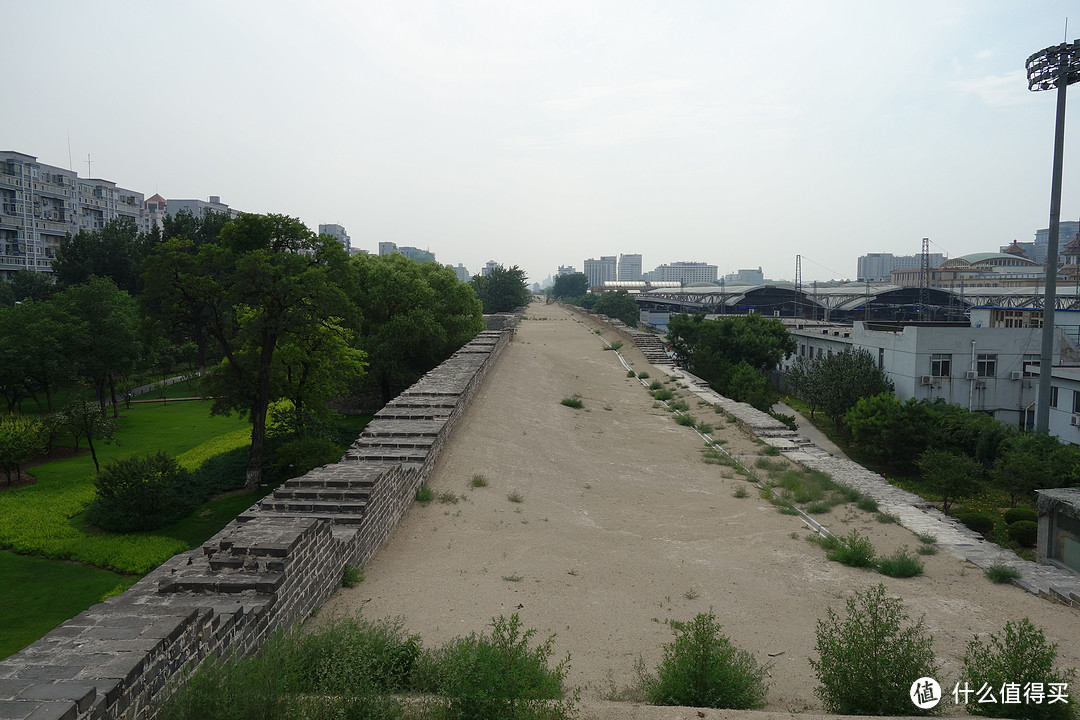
(1074, 420)
(1015, 375)
(970, 374)
(980, 384)
(926, 380)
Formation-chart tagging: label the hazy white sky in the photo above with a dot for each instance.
(542, 133)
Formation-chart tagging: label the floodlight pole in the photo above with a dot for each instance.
(1056, 66)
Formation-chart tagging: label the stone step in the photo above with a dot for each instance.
(327, 494)
(223, 583)
(319, 506)
(335, 518)
(359, 484)
(386, 454)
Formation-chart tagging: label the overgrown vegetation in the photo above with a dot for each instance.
(358, 669)
(867, 660)
(572, 402)
(702, 668)
(1018, 655)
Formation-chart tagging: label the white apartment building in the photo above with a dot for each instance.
(629, 267)
(337, 232)
(984, 366)
(685, 272)
(600, 271)
(40, 204)
(461, 271)
(198, 208)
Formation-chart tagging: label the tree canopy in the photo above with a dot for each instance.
(116, 251)
(836, 382)
(570, 285)
(619, 304)
(733, 354)
(268, 279)
(504, 290)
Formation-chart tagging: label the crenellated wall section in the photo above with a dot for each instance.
(272, 566)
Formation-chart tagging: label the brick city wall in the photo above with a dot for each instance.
(272, 566)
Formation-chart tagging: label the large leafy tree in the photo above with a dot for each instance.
(103, 340)
(836, 382)
(1029, 462)
(570, 285)
(722, 351)
(619, 304)
(35, 350)
(889, 430)
(32, 285)
(116, 251)
(503, 290)
(267, 280)
(952, 475)
(414, 316)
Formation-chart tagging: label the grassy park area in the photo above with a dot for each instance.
(56, 566)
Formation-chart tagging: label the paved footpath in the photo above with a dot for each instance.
(914, 513)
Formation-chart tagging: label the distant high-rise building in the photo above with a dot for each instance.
(386, 248)
(198, 208)
(685, 272)
(629, 267)
(600, 271)
(566, 270)
(461, 271)
(489, 267)
(750, 277)
(1066, 232)
(337, 232)
(878, 267)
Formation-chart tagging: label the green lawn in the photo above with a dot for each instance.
(38, 594)
(37, 520)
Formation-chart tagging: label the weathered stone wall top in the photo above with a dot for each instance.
(272, 566)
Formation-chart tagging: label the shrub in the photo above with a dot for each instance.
(478, 480)
(498, 676)
(685, 420)
(1020, 654)
(655, 385)
(572, 402)
(854, 550)
(1000, 573)
(868, 660)
(142, 493)
(1024, 533)
(1018, 514)
(21, 438)
(982, 524)
(425, 494)
(302, 455)
(788, 420)
(643, 375)
(704, 428)
(702, 668)
(631, 373)
(901, 564)
(867, 504)
(662, 394)
(351, 577)
(515, 497)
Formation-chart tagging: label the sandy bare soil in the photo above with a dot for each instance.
(623, 526)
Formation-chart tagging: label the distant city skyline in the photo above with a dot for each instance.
(739, 133)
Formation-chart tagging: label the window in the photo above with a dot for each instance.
(986, 365)
(881, 358)
(941, 364)
(1030, 361)
(1076, 401)
(1053, 396)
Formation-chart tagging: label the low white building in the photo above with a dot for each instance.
(989, 365)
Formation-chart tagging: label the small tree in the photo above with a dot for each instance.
(868, 660)
(952, 475)
(1019, 655)
(83, 420)
(141, 493)
(21, 438)
(892, 431)
(571, 285)
(702, 668)
(503, 290)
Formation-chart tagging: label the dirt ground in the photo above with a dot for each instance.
(621, 526)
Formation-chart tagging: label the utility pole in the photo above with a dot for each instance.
(1053, 67)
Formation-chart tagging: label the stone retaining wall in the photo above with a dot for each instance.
(272, 566)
